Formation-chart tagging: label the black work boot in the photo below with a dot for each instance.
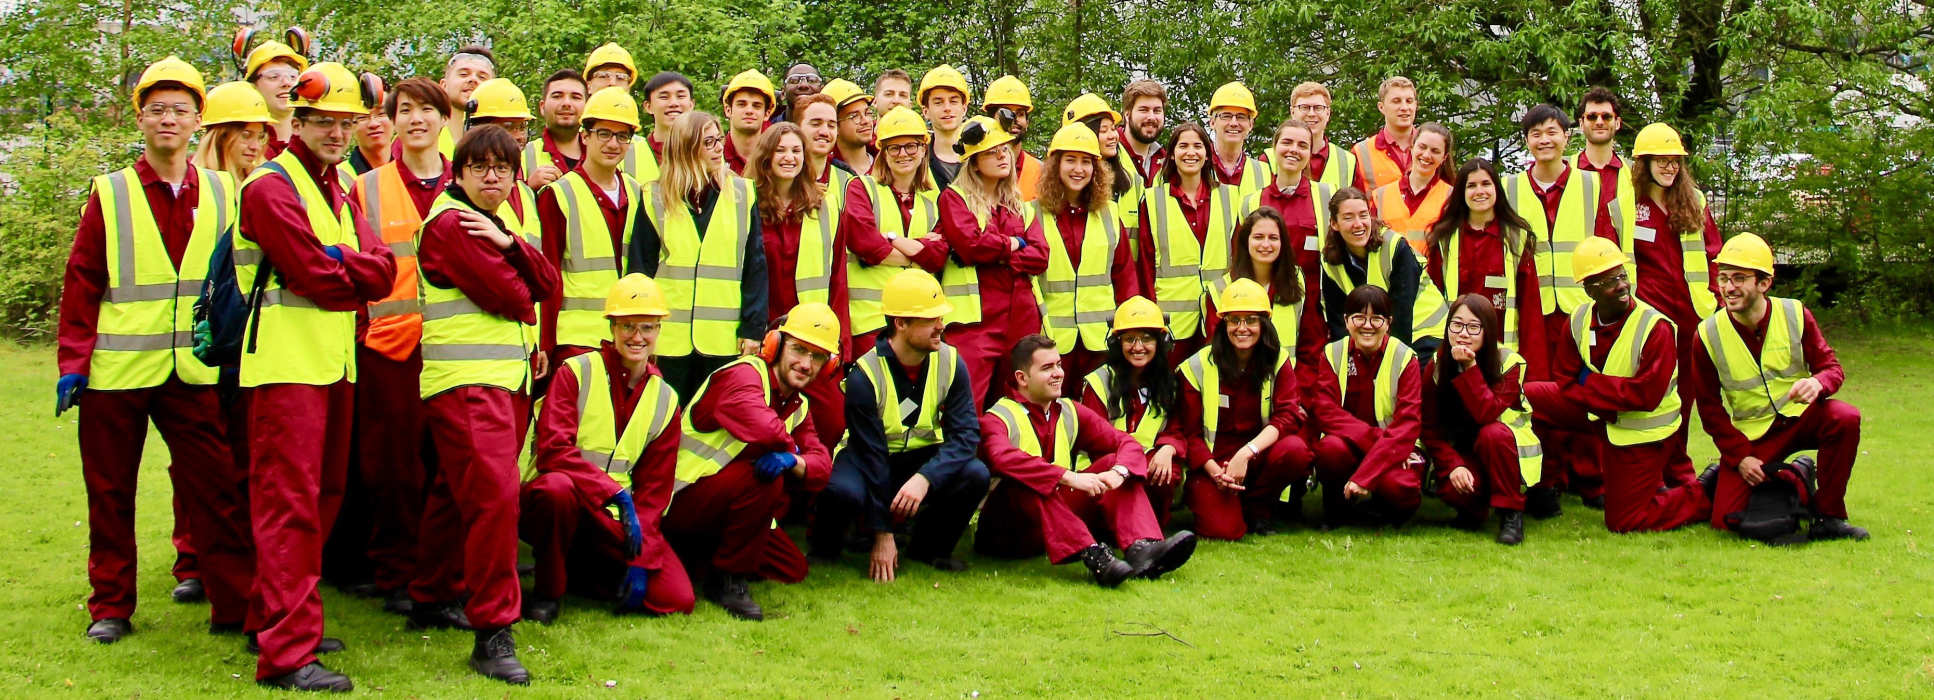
(1108, 570)
(109, 630)
(1593, 502)
(328, 645)
(1709, 480)
(495, 656)
(734, 593)
(440, 616)
(541, 611)
(1152, 558)
(1510, 526)
(189, 591)
(399, 603)
(1835, 529)
(314, 676)
(1542, 502)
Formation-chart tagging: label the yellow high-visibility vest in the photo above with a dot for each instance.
(1631, 427)
(295, 341)
(1021, 432)
(1396, 356)
(1577, 219)
(464, 345)
(1755, 387)
(866, 284)
(928, 427)
(145, 333)
(1200, 372)
(1428, 312)
(1692, 255)
(590, 265)
(702, 454)
(1078, 302)
(701, 275)
(1184, 269)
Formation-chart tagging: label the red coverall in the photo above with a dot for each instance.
(782, 239)
(1030, 513)
(726, 518)
(1830, 425)
(1197, 214)
(865, 243)
(300, 433)
(1160, 498)
(577, 544)
(1562, 467)
(210, 486)
(1636, 496)
(1224, 514)
(1354, 449)
(1480, 257)
(477, 431)
(1461, 429)
(1661, 282)
(550, 221)
(1008, 310)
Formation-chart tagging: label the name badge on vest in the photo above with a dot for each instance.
(1645, 233)
(1311, 244)
(1222, 400)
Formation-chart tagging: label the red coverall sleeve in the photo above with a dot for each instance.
(84, 284)
(1095, 436)
(1486, 402)
(501, 282)
(1007, 460)
(1330, 416)
(1532, 341)
(1145, 242)
(862, 231)
(273, 216)
(1399, 436)
(1127, 279)
(819, 461)
(737, 403)
(1820, 359)
(1032, 258)
(1183, 431)
(1285, 405)
(651, 492)
(1607, 394)
(556, 442)
(965, 237)
(550, 221)
(1313, 335)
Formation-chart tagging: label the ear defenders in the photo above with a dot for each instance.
(775, 341)
(296, 37)
(972, 135)
(314, 84)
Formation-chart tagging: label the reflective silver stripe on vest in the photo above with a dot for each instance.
(1648, 423)
(1796, 353)
(1013, 423)
(708, 452)
(373, 201)
(399, 307)
(139, 343)
(822, 278)
(1173, 306)
(127, 291)
(246, 256)
(602, 460)
(582, 304)
(866, 294)
(284, 297)
(403, 249)
(473, 351)
(448, 309)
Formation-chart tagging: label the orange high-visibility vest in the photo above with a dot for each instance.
(1414, 224)
(396, 320)
(1027, 170)
(1378, 168)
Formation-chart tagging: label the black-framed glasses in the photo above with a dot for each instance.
(608, 135)
(904, 149)
(1599, 116)
(1368, 320)
(482, 169)
(1467, 328)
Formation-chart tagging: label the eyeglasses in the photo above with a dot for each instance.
(276, 74)
(1138, 339)
(856, 115)
(711, 142)
(1314, 109)
(1668, 163)
(1606, 282)
(904, 149)
(640, 328)
(1463, 328)
(1371, 321)
(498, 169)
(158, 111)
(608, 135)
(1599, 116)
(1243, 321)
(1740, 279)
(802, 79)
(1237, 117)
(332, 123)
(616, 76)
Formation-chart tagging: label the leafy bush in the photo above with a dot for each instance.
(42, 189)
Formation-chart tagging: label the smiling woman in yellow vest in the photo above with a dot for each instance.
(1092, 111)
(1134, 390)
(1367, 401)
(1477, 427)
(888, 222)
(1089, 270)
(1259, 254)
(480, 283)
(586, 218)
(1302, 203)
(1481, 246)
(1185, 221)
(700, 238)
(1357, 251)
(1411, 204)
(995, 255)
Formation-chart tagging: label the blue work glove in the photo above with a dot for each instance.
(68, 392)
(334, 252)
(1584, 372)
(628, 515)
(774, 464)
(631, 593)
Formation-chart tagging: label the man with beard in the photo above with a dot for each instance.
(748, 103)
(559, 149)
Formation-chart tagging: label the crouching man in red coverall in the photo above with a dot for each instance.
(749, 426)
(1763, 372)
(608, 416)
(298, 363)
(1046, 502)
(1616, 370)
(480, 285)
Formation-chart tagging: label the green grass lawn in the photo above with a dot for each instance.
(1425, 610)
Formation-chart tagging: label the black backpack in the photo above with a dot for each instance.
(225, 306)
(1776, 508)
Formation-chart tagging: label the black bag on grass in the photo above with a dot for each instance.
(1777, 507)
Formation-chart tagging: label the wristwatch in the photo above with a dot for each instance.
(1120, 471)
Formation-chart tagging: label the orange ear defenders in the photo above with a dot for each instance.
(776, 341)
(314, 84)
(296, 37)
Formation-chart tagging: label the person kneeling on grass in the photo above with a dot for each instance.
(1368, 403)
(1031, 437)
(608, 418)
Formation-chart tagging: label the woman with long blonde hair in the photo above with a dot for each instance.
(237, 119)
(995, 254)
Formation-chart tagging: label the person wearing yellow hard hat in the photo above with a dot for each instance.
(1008, 102)
(169, 215)
(1384, 157)
(298, 369)
(1764, 377)
(943, 99)
(1359, 251)
(1089, 269)
(1300, 201)
(607, 434)
(746, 436)
(560, 147)
(1092, 111)
(1135, 391)
(1477, 428)
(1059, 460)
(748, 102)
(1329, 163)
(668, 96)
(1612, 373)
(1366, 402)
(391, 473)
(480, 284)
(466, 69)
(238, 124)
(272, 68)
(609, 65)
(854, 149)
(1238, 421)
(699, 234)
(599, 201)
(908, 462)
(888, 220)
(893, 88)
(1184, 224)
(1412, 204)
(995, 256)
(1232, 115)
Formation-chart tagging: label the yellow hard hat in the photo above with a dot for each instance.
(815, 324)
(1243, 296)
(1007, 90)
(635, 295)
(498, 98)
(751, 80)
(990, 135)
(269, 51)
(1075, 138)
(942, 76)
(1658, 139)
(912, 293)
(1747, 251)
(330, 87)
(1088, 105)
(1138, 313)
(898, 122)
(1594, 255)
(171, 70)
(235, 103)
(843, 92)
(613, 104)
(1233, 94)
(611, 54)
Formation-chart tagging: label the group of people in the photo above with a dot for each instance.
(875, 315)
